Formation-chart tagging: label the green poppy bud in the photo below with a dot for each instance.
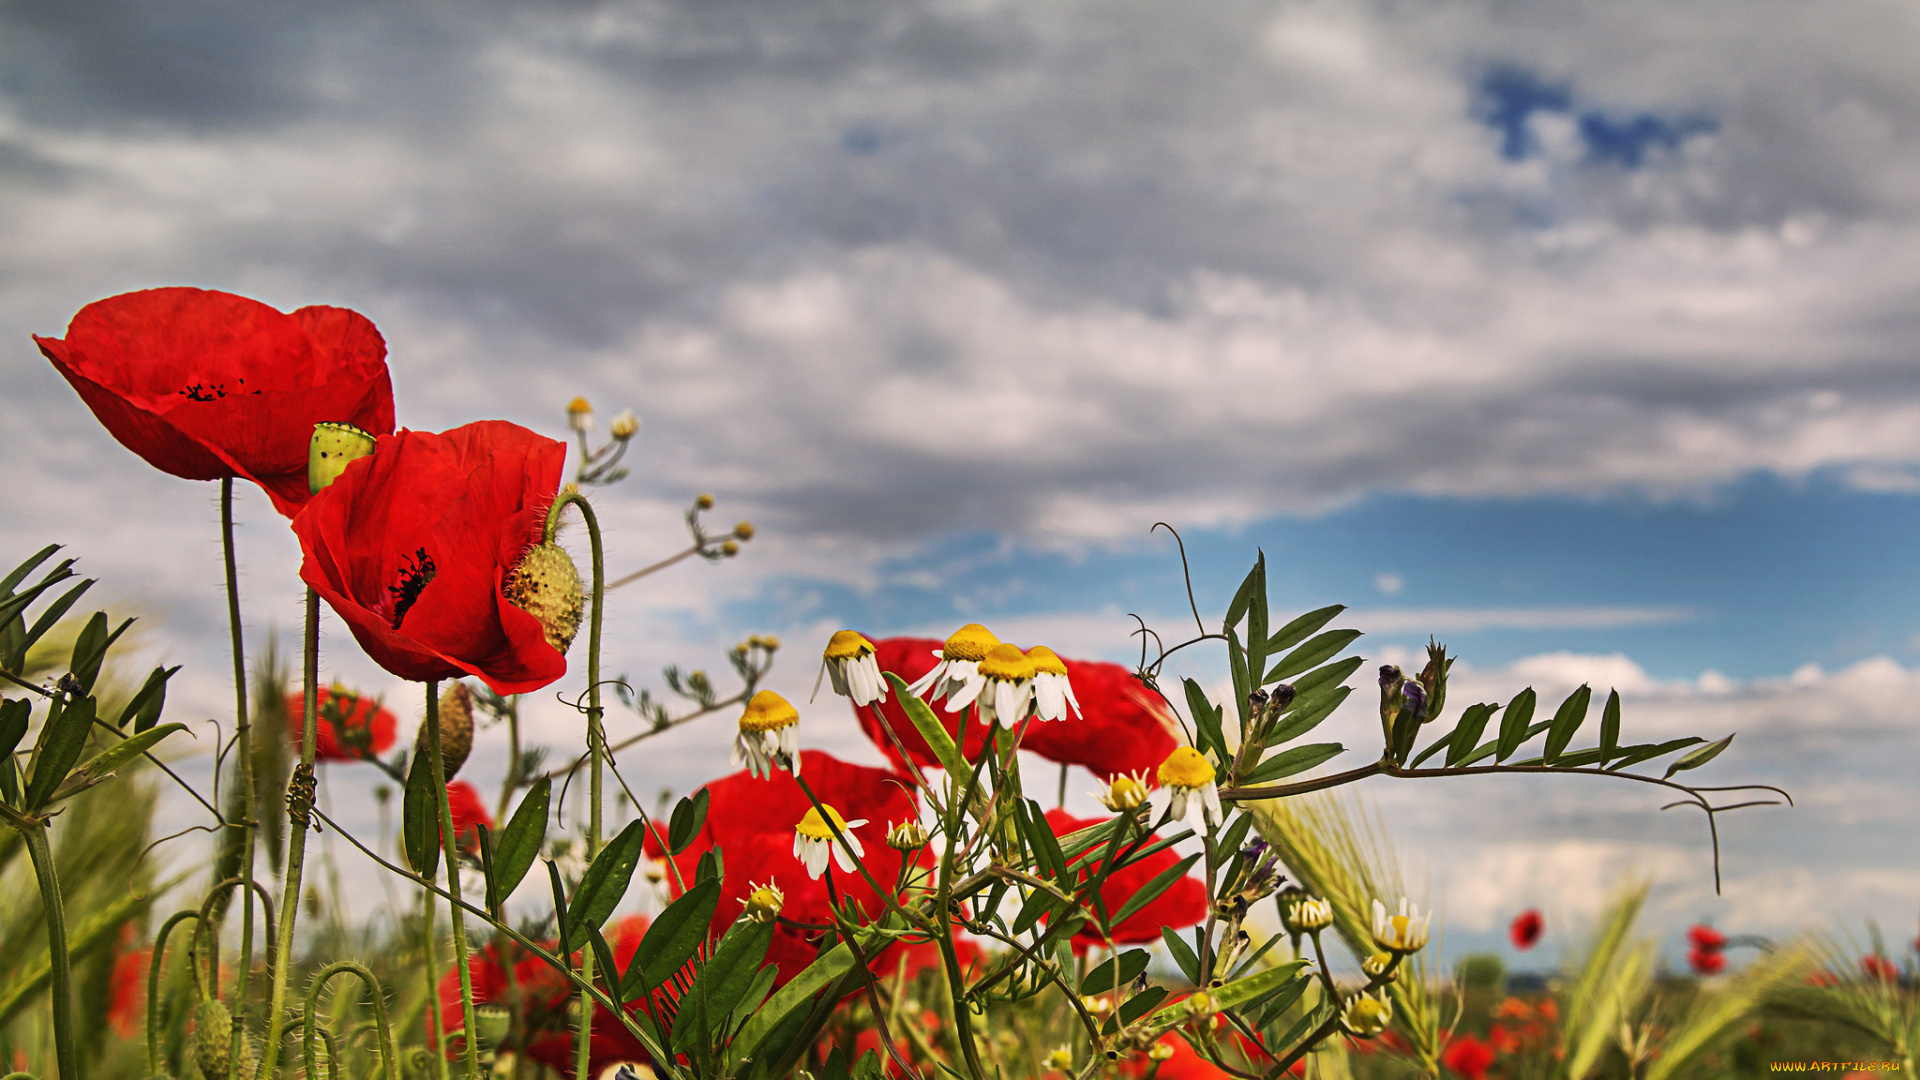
(546, 585)
(333, 446)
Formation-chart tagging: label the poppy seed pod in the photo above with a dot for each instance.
(546, 585)
(456, 728)
(332, 448)
(213, 1041)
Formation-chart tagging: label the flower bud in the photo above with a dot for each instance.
(1200, 1005)
(1161, 1051)
(1281, 697)
(580, 416)
(704, 501)
(624, 425)
(546, 585)
(729, 548)
(743, 531)
(456, 728)
(907, 836)
(764, 903)
(212, 1038)
(491, 1020)
(1366, 1016)
(1377, 965)
(333, 446)
(1061, 1060)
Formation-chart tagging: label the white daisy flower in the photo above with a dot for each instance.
(1402, 933)
(813, 840)
(957, 676)
(1006, 690)
(854, 670)
(1192, 797)
(1052, 691)
(769, 735)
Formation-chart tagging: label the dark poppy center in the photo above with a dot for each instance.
(413, 576)
(210, 391)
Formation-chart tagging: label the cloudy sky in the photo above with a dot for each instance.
(1581, 336)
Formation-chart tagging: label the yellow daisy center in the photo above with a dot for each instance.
(813, 827)
(847, 645)
(1186, 768)
(768, 711)
(579, 405)
(1007, 662)
(766, 897)
(1125, 789)
(1399, 924)
(970, 642)
(1045, 661)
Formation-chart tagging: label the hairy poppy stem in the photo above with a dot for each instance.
(450, 851)
(596, 745)
(299, 805)
(62, 971)
(430, 967)
(242, 773)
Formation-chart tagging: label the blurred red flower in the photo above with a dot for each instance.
(1706, 937)
(539, 997)
(1115, 732)
(129, 985)
(1468, 1056)
(352, 726)
(412, 544)
(1879, 968)
(1707, 961)
(1527, 928)
(1183, 904)
(751, 820)
(206, 384)
(464, 805)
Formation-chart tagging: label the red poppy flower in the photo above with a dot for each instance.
(468, 811)
(1706, 937)
(1184, 1064)
(413, 544)
(1183, 904)
(129, 985)
(206, 384)
(353, 727)
(1707, 961)
(1116, 731)
(1468, 1056)
(539, 998)
(1878, 968)
(751, 820)
(1527, 928)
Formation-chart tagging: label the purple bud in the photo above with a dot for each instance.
(1416, 697)
(1282, 696)
(1389, 675)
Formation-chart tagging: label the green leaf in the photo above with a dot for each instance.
(1153, 889)
(1466, 736)
(603, 958)
(723, 981)
(65, 736)
(1117, 971)
(1326, 675)
(48, 616)
(14, 715)
(1513, 728)
(111, 760)
(1256, 629)
(688, 815)
(1241, 598)
(1237, 661)
(1610, 726)
(604, 883)
(1315, 652)
(9, 780)
(930, 728)
(1696, 758)
(420, 819)
(1182, 954)
(1301, 628)
(1141, 1004)
(1045, 845)
(1634, 755)
(144, 708)
(1305, 716)
(19, 573)
(1206, 719)
(1297, 759)
(519, 843)
(672, 940)
(559, 900)
(1567, 720)
(709, 867)
(90, 649)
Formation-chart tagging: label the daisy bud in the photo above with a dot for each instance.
(703, 501)
(1061, 1060)
(1161, 1051)
(624, 425)
(1125, 793)
(332, 447)
(546, 585)
(907, 836)
(1099, 1006)
(743, 531)
(579, 416)
(456, 728)
(1403, 933)
(730, 548)
(1200, 1005)
(1366, 1016)
(1377, 964)
(764, 902)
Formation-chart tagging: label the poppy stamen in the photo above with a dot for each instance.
(414, 576)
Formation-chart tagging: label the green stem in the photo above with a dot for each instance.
(389, 1060)
(42, 855)
(437, 1062)
(243, 774)
(450, 851)
(153, 986)
(296, 836)
(596, 744)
